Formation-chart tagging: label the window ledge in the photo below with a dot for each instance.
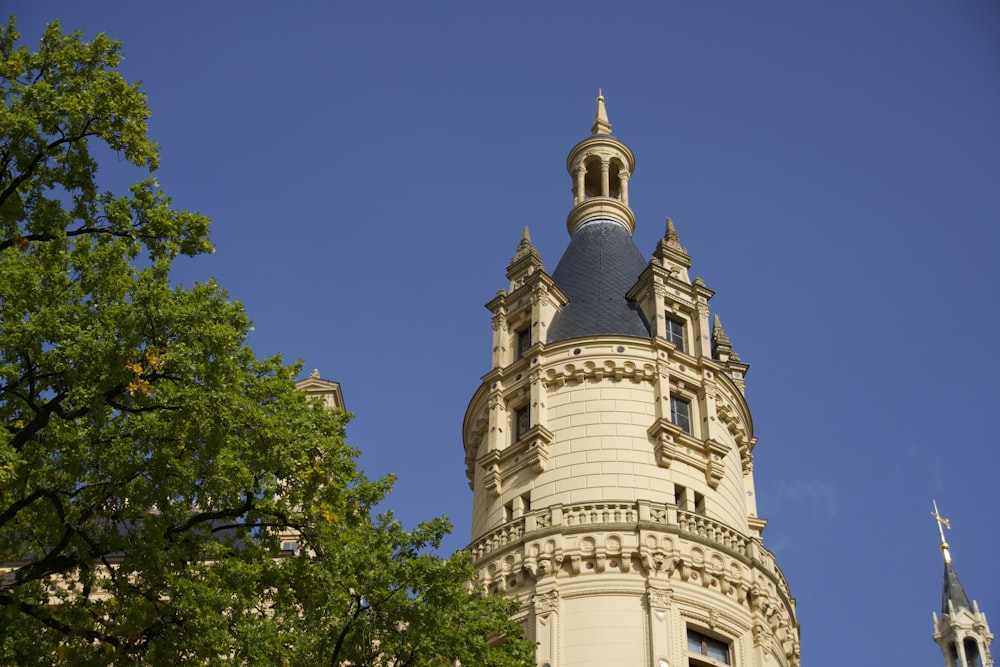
(671, 443)
(531, 450)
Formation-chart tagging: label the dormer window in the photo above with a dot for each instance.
(673, 331)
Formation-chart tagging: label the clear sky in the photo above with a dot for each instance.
(832, 167)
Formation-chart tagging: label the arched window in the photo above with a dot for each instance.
(592, 179)
(972, 657)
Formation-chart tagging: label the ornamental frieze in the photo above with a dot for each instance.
(589, 370)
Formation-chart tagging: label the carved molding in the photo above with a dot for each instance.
(660, 598)
(590, 370)
(546, 603)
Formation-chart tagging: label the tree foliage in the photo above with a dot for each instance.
(149, 461)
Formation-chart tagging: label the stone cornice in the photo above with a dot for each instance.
(697, 551)
(600, 208)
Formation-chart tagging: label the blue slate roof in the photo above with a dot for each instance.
(953, 591)
(598, 268)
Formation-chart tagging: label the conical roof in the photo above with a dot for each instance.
(599, 267)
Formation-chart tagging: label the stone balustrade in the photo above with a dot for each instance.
(618, 516)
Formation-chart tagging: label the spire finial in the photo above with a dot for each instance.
(718, 333)
(525, 249)
(942, 523)
(524, 246)
(601, 123)
(673, 240)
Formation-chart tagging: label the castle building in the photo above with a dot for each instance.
(961, 631)
(610, 451)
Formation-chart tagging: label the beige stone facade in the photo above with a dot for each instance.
(611, 456)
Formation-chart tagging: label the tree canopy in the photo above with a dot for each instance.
(150, 463)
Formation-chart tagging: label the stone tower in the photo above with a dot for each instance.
(962, 631)
(609, 449)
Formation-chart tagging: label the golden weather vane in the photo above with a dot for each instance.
(942, 524)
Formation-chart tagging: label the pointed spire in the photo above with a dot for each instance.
(718, 333)
(673, 240)
(670, 250)
(722, 347)
(953, 596)
(525, 236)
(525, 262)
(601, 123)
(524, 246)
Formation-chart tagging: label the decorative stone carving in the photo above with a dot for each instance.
(715, 452)
(660, 598)
(615, 369)
(546, 603)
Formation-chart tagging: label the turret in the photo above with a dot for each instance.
(610, 451)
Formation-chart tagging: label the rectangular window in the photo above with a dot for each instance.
(522, 422)
(680, 496)
(522, 341)
(680, 413)
(674, 332)
(699, 503)
(708, 647)
(526, 503)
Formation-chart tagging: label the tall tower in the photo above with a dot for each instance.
(962, 631)
(609, 450)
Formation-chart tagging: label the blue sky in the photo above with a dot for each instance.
(833, 169)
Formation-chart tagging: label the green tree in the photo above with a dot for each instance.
(149, 461)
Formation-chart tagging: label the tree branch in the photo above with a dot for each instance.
(35, 161)
(45, 617)
(358, 608)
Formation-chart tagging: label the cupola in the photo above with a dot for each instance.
(600, 166)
